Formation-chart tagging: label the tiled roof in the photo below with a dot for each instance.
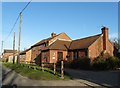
(47, 39)
(44, 40)
(84, 42)
(58, 45)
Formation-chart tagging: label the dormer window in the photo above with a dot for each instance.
(46, 44)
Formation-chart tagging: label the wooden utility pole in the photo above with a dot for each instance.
(19, 36)
(14, 48)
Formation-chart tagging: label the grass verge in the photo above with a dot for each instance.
(38, 74)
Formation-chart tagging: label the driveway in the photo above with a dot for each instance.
(10, 77)
(105, 78)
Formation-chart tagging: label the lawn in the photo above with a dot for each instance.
(38, 74)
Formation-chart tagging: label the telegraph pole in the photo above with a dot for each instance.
(19, 36)
(14, 48)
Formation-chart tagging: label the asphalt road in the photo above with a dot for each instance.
(105, 78)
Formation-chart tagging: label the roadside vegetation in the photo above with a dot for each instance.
(103, 62)
(35, 72)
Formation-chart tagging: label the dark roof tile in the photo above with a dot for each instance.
(84, 42)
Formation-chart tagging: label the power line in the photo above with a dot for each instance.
(16, 21)
(25, 6)
(12, 28)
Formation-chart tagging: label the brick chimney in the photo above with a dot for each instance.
(53, 34)
(105, 37)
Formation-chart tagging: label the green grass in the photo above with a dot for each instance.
(35, 74)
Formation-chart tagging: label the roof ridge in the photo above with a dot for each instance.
(86, 37)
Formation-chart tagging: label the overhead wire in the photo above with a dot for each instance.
(12, 28)
(17, 20)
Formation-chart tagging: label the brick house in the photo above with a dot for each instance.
(60, 46)
(91, 46)
(6, 53)
(39, 51)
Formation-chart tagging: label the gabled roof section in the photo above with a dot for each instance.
(58, 45)
(48, 39)
(84, 42)
(61, 45)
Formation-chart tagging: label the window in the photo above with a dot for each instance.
(45, 57)
(46, 43)
(76, 55)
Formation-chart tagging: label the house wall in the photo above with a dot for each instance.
(35, 53)
(110, 48)
(45, 56)
(28, 56)
(97, 48)
(81, 53)
(54, 55)
(10, 59)
(22, 58)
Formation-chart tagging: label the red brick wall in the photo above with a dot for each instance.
(97, 48)
(45, 58)
(54, 55)
(35, 53)
(81, 53)
(28, 56)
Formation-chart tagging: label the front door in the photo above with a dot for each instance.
(60, 56)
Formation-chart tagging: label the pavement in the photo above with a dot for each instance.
(103, 78)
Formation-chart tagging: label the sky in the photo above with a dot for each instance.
(40, 19)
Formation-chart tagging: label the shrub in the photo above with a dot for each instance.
(99, 64)
(81, 63)
(112, 62)
(104, 62)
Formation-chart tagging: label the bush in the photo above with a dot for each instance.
(99, 64)
(105, 63)
(81, 63)
(112, 62)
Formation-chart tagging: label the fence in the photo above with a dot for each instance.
(54, 68)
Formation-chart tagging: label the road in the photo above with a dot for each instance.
(105, 78)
